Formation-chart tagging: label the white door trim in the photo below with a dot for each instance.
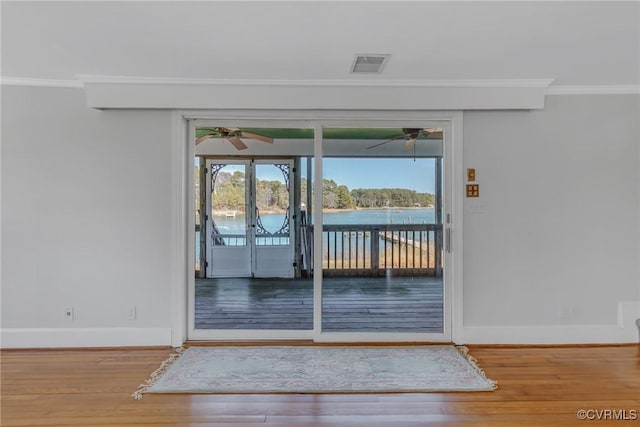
(183, 218)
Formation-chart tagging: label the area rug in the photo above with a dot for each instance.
(318, 369)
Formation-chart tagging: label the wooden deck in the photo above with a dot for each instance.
(358, 304)
(537, 387)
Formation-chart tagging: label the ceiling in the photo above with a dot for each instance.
(575, 43)
(333, 133)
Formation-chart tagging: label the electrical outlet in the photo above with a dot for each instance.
(476, 207)
(131, 314)
(565, 312)
(68, 313)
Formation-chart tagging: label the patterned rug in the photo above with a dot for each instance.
(318, 369)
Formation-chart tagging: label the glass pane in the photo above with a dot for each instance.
(259, 242)
(272, 204)
(228, 213)
(381, 238)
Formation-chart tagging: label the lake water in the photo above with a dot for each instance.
(382, 216)
(273, 222)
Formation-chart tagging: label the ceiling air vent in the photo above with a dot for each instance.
(369, 63)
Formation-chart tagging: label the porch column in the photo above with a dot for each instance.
(202, 207)
(297, 196)
(309, 190)
(438, 209)
(438, 182)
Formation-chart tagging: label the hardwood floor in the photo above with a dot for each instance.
(537, 387)
(350, 304)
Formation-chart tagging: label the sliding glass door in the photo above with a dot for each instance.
(382, 234)
(333, 234)
(253, 276)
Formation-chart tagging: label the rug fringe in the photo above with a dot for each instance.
(464, 351)
(155, 375)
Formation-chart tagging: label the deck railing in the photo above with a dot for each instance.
(377, 249)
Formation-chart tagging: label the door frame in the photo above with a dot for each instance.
(183, 218)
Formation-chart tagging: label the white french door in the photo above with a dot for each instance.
(271, 217)
(249, 226)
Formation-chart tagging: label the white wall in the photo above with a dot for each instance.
(86, 212)
(551, 247)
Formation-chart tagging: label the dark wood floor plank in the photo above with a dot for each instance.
(402, 304)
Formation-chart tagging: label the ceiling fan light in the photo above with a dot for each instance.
(410, 144)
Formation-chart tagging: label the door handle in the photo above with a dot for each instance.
(448, 240)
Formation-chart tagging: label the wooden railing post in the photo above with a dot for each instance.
(375, 251)
(396, 235)
(309, 249)
(204, 214)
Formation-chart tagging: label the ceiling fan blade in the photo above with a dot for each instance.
(203, 138)
(257, 137)
(410, 144)
(237, 142)
(387, 141)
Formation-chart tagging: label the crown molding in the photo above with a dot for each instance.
(23, 81)
(594, 90)
(463, 83)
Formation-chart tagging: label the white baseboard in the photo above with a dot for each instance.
(84, 337)
(625, 331)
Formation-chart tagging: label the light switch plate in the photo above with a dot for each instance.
(471, 174)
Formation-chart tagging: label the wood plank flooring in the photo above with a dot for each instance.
(352, 304)
(537, 387)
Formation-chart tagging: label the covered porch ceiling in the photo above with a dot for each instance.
(373, 134)
(338, 142)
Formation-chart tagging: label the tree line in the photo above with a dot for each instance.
(229, 194)
(335, 196)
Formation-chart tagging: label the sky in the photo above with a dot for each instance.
(416, 175)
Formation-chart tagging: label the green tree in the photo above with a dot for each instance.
(390, 197)
(344, 198)
(329, 194)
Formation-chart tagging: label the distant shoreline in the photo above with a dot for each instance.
(390, 209)
(326, 210)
